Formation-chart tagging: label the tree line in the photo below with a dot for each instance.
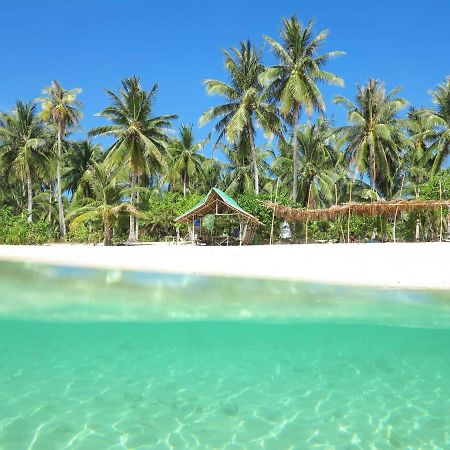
(386, 150)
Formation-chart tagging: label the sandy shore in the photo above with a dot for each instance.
(422, 265)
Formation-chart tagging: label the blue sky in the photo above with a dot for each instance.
(178, 44)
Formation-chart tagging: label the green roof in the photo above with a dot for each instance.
(225, 198)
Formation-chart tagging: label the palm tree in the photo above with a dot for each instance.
(246, 102)
(60, 107)
(212, 170)
(319, 163)
(438, 123)
(185, 162)
(140, 139)
(293, 80)
(106, 202)
(22, 135)
(238, 169)
(374, 139)
(416, 161)
(81, 154)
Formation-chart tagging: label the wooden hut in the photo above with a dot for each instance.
(218, 203)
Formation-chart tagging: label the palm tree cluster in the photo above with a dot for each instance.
(269, 128)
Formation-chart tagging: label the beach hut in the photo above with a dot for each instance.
(219, 204)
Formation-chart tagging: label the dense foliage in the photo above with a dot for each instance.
(16, 229)
(271, 140)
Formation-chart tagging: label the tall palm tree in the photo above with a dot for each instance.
(374, 139)
(416, 161)
(212, 170)
(293, 80)
(80, 155)
(319, 163)
(185, 161)
(22, 135)
(438, 124)
(238, 169)
(106, 202)
(247, 104)
(60, 107)
(140, 139)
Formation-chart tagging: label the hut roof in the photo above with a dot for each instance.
(216, 202)
(379, 208)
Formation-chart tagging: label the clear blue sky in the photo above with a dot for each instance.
(93, 44)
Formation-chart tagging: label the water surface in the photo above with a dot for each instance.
(117, 360)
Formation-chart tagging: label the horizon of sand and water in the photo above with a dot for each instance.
(112, 359)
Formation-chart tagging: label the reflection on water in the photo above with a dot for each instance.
(111, 360)
(62, 293)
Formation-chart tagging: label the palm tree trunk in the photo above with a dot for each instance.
(254, 159)
(30, 196)
(308, 202)
(62, 223)
(448, 224)
(184, 185)
(295, 154)
(372, 170)
(107, 233)
(132, 231)
(136, 219)
(50, 188)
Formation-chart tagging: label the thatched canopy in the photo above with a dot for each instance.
(218, 203)
(380, 208)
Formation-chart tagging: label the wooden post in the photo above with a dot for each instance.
(307, 217)
(273, 213)
(441, 228)
(349, 214)
(448, 222)
(396, 211)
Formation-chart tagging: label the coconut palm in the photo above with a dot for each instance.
(318, 168)
(23, 144)
(293, 80)
(374, 139)
(438, 123)
(416, 161)
(246, 104)
(80, 155)
(140, 139)
(61, 108)
(212, 170)
(106, 202)
(185, 161)
(238, 169)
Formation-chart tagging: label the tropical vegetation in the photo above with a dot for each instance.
(128, 178)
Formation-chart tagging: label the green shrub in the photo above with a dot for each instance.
(16, 230)
(81, 234)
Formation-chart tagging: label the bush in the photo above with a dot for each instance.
(16, 230)
(162, 211)
(439, 182)
(81, 234)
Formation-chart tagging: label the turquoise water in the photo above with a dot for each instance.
(116, 360)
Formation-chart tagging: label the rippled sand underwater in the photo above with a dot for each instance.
(107, 360)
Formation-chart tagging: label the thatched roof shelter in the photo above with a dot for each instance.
(220, 204)
(379, 208)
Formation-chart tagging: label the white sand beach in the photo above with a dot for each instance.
(404, 265)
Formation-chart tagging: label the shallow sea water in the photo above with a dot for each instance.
(117, 360)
